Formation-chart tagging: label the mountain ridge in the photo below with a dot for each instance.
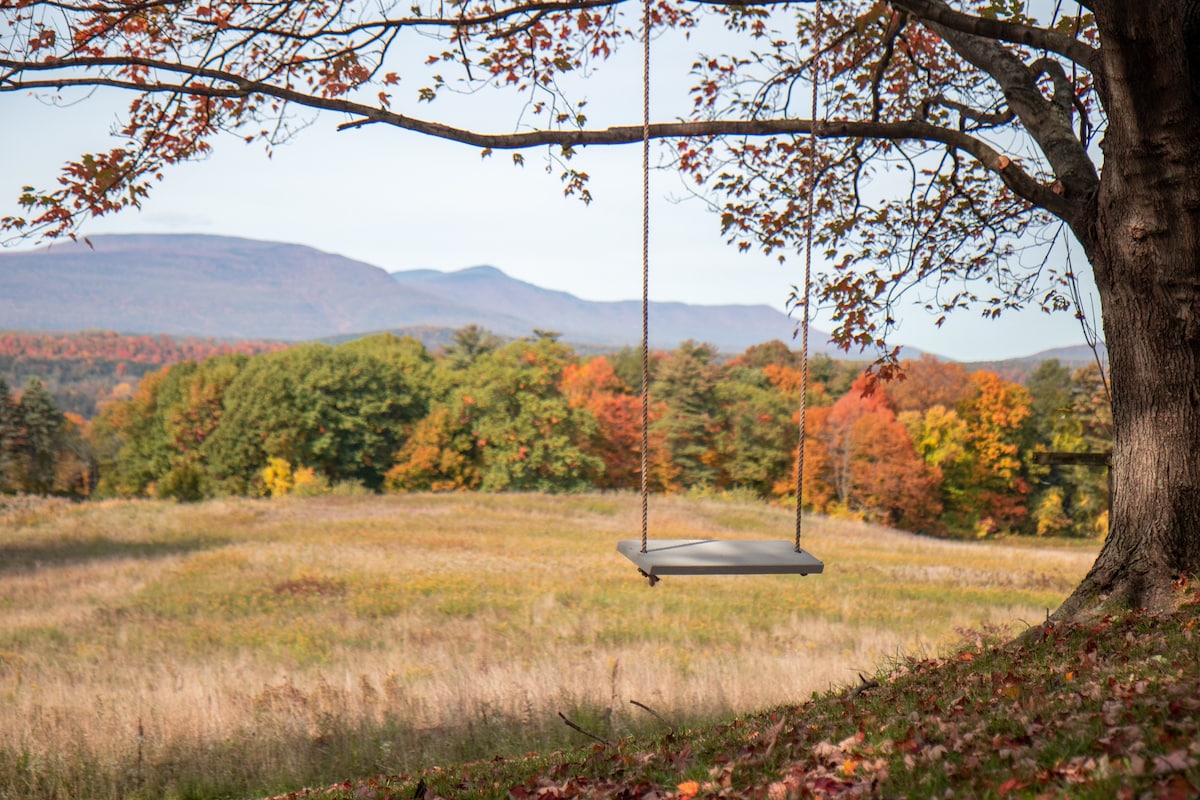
(202, 285)
(237, 288)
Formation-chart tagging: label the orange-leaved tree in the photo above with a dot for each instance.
(594, 386)
(864, 464)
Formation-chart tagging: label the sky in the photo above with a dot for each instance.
(400, 201)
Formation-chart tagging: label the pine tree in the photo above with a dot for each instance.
(9, 436)
(41, 427)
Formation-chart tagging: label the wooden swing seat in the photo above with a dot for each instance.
(718, 557)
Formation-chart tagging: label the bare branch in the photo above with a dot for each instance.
(983, 118)
(938, 12)
(895, 26)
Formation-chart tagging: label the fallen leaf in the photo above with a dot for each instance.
(1178, 761)
(1010, 785)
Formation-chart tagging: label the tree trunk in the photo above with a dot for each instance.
(1143, 239)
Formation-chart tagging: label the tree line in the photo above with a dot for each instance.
(946, 451)
(81, 369)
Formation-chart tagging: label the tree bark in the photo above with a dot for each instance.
(1143, 239)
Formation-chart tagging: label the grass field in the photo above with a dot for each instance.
(242, 648)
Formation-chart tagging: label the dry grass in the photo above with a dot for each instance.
(239, 646)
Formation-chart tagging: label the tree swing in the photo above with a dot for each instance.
(657, 557)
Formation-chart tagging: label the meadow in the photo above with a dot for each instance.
(240, 648)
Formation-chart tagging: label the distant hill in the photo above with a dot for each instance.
(197, 285)
(201, 286)
(732, 328)
(1021, 368)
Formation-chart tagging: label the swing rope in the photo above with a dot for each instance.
(808, 247)
(645, 270)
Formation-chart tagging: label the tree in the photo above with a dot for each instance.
(686, 385)
(594, 385)
(929, 382)
(469, 344)
(41, 429)
(961, 145)
(1076, 418)
(10, 432)
(527, 435)
(343, 411)
(866, 460)
(756, 444)
(995, 416)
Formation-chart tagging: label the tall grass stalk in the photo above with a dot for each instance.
(238, 648)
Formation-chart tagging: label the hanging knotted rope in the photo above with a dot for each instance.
(808, 247)
(645, 270)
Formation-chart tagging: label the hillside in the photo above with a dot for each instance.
(213, 286)
(1107, 710)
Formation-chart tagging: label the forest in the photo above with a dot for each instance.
(945, 451)
(82, 369)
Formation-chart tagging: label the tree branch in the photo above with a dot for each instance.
(206, 81)
(1043, 119)
(983, 118)
(457, 22)
(938, 12)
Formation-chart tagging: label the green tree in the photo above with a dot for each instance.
(627, 364)
(469, 344)
(41, 429)
(528, 435)
(1077, 496)
(343, 411)
(10, 433)
(153, 442)
(686, 385)
(1050, 399)
(129, 440)
(756, 444)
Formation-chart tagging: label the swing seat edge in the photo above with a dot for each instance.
(719, 557)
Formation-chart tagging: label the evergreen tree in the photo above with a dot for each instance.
(687, 386)
(41, 426)
(10, 435)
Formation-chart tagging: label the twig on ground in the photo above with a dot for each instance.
(863, 686)
(652, 712)
(573, 726)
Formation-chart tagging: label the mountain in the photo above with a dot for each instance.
(731, 328)
(200, 285)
